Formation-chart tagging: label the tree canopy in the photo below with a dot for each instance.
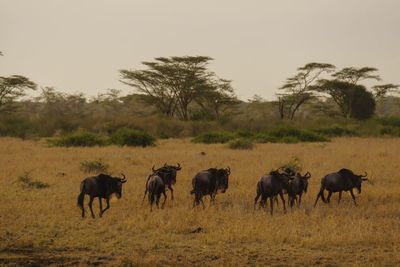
(172, 84)
(353, 100)
(297, 89)
(14, 87)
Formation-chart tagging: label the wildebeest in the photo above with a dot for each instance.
(208, 182)
(271, 185)
(101, 186)
(296, 187)
(343, 180)
(155, 186)
(168, 174)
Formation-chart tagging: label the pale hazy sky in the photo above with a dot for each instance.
(80, 45)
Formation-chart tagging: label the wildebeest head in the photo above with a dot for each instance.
(223, 179)
(304, 180)
(355, 179)
(168, 172)
(358, 179)
(117, 185)
(282, 176)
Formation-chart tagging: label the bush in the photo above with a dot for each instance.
(291, 167)
(96, 166)
(241, 143)
(389, 130)
(82, 139)
(390, 121)
(214, 138)
(27, 182)
(334, 131)
(131, 137)
(292, 135)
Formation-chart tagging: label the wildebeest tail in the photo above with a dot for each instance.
(81, 196)
(194, 187)
(146, 189)
(321, 191)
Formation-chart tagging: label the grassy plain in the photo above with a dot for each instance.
(43, 226)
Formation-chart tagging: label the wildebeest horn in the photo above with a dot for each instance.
(165, 164)
(229, 170)
(123, 180)
(307, 175)
(153, 169)
(365, 175)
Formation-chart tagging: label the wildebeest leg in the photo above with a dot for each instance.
(299, 203)
(145, 192)
(172, 192)
(277, 202)
(165, 198)
(354, 198)
(90, 206)
(318, 196)
(255, 200)
(340, 197)
(283, 201)
(271, 203)
(107, 207)
(329, 197)
(158, 201)
(101, 207)
(263, 200)
(197, 198)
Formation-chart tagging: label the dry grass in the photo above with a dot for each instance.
(43, 226)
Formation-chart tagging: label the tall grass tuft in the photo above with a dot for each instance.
(27, 182)
(241, 143)
(96, 166)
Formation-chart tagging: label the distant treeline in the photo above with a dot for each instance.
(181, 97)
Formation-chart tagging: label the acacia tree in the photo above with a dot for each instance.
(382, 90)
(13, 88)
(218, 98)
(353, 100)
(353, 75)
(297, 89)
(172, 84)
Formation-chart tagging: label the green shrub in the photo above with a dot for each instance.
(241, 143)
(96, 166)
(81, 138)
(27, 182)
(291, 167)
(334, 131)
(264, 138)
(390, 121)
(293, 135)
(214, 138)
(390, 130)
(131, 137)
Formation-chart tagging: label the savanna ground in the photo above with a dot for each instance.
(43, 226)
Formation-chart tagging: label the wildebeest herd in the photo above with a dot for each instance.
(209, 182)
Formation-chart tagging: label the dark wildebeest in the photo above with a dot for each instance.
(208, 182)
(101, 186)
(167, 174)
(343, 180)
(296, 187)
(271, 185)
(155, 186)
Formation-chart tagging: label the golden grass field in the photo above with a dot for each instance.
(43, 226)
